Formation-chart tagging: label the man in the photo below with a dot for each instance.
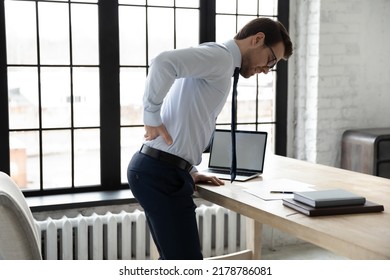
(185, 91)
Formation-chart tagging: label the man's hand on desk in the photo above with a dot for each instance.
(202, 178)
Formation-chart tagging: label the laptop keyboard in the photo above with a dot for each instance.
(239, 173)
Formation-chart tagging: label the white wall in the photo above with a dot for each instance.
(340, 75)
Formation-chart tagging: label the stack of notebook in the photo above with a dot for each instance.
(330, 202)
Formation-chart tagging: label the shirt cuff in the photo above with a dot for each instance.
(152, 119)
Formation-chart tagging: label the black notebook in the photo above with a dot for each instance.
(367, 207)
(332, 197)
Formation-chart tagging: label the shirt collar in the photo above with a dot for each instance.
(232, 46)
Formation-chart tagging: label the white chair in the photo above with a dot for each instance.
(18, 233)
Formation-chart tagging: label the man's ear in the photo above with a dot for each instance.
(258, 39)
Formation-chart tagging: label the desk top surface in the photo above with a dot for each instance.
(357, 236)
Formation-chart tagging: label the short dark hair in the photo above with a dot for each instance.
(274, 31)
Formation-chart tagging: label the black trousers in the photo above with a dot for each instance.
(165, 193)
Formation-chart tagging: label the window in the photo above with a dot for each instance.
(53, 93)
(256, 95)
(71, 111)
(144, 32)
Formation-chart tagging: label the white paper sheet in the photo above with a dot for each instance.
(262, 189)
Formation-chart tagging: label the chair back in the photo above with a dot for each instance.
(18, 232)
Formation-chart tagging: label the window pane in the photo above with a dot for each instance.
(55, 94)
(160, 31)
(86, 100)
(187, 3)
(21, 32)
(85, 1)
(55, 0)
(23, 97)
(131, 141)
(187, 28)
(226, 27)
(135, 2)
(57, 159)
(24, 153)
(246, 100)
(132, 83)
(247, 7)
(242, 20)
(54, 33)
(168, 3)
(86, 157)
(85, 34)
(270, 129)
(267, 89)
(225, 6)
(268, 7)
(132, 35)
(82, 1)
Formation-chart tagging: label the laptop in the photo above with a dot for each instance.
(250, 153)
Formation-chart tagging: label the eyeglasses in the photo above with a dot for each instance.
(271, 63)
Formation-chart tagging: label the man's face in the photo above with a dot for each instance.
(261, 59)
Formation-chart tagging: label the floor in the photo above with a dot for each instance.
(305, 251)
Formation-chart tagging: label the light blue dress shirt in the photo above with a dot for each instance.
(185, 90)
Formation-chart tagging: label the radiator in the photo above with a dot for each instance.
(126, 236)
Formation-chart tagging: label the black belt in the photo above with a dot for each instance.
(166, 157)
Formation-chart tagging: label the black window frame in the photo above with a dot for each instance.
(109, 67)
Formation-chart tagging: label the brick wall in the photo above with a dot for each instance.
(339, 76)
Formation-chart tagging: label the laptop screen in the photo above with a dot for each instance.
(250, 150)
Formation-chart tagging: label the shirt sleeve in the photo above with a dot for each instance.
(203, 62)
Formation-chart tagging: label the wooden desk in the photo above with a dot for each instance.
(356, 236)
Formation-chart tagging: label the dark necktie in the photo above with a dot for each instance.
(234, 123)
